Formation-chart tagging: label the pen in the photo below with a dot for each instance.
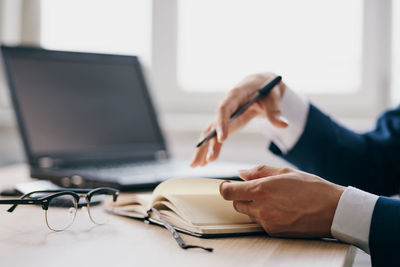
(263, 92)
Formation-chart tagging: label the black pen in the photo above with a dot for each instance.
(263, 92)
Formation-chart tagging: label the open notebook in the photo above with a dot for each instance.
(190, 205)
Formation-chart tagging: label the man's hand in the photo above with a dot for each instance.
(285, 202)
(267, 107)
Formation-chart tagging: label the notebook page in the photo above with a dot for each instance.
(199, 200)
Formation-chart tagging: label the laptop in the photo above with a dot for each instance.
(87, 120)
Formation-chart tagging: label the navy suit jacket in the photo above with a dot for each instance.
(368, 161)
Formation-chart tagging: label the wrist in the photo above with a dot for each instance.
(336, 194)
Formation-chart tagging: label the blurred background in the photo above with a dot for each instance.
(343, 55)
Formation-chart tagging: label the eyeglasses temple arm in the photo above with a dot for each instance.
(17, 202)
(13, 207)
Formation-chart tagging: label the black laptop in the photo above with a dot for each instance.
(87, 120)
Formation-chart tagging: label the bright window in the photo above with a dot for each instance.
(316, 45)
(336, 52)
(117, 26)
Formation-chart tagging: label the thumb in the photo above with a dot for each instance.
(258, 172)
(273, 109)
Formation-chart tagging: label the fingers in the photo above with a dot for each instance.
(199, 157)
(259, 172)
(273, 108)
(236, 190)
(233, 100)
(242, 120)
(208, 152)
(223, 117)
(214, 149)
(269, 106)
(245, 207)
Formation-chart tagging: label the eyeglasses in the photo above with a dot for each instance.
(60, 206)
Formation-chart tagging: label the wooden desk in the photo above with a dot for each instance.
(26, 241)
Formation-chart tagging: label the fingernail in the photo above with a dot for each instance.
(193, 162)
(282, 119)
(221, 185)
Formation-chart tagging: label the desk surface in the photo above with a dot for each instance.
(26, 241)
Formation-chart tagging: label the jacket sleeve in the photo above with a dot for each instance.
(369, 161)
(384, 233)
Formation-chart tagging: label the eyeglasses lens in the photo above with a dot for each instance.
(61, 212)
(98, 204)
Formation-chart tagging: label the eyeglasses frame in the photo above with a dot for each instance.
(44, 201)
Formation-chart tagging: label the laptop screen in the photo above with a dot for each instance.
(81, 106)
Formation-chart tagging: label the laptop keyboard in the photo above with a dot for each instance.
(145, 172)
(155, 172)
(136, 168)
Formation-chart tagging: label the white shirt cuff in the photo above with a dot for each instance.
(294, 108)
(352, 219)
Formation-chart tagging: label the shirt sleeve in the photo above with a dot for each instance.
(352, 220)
(294, 108)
